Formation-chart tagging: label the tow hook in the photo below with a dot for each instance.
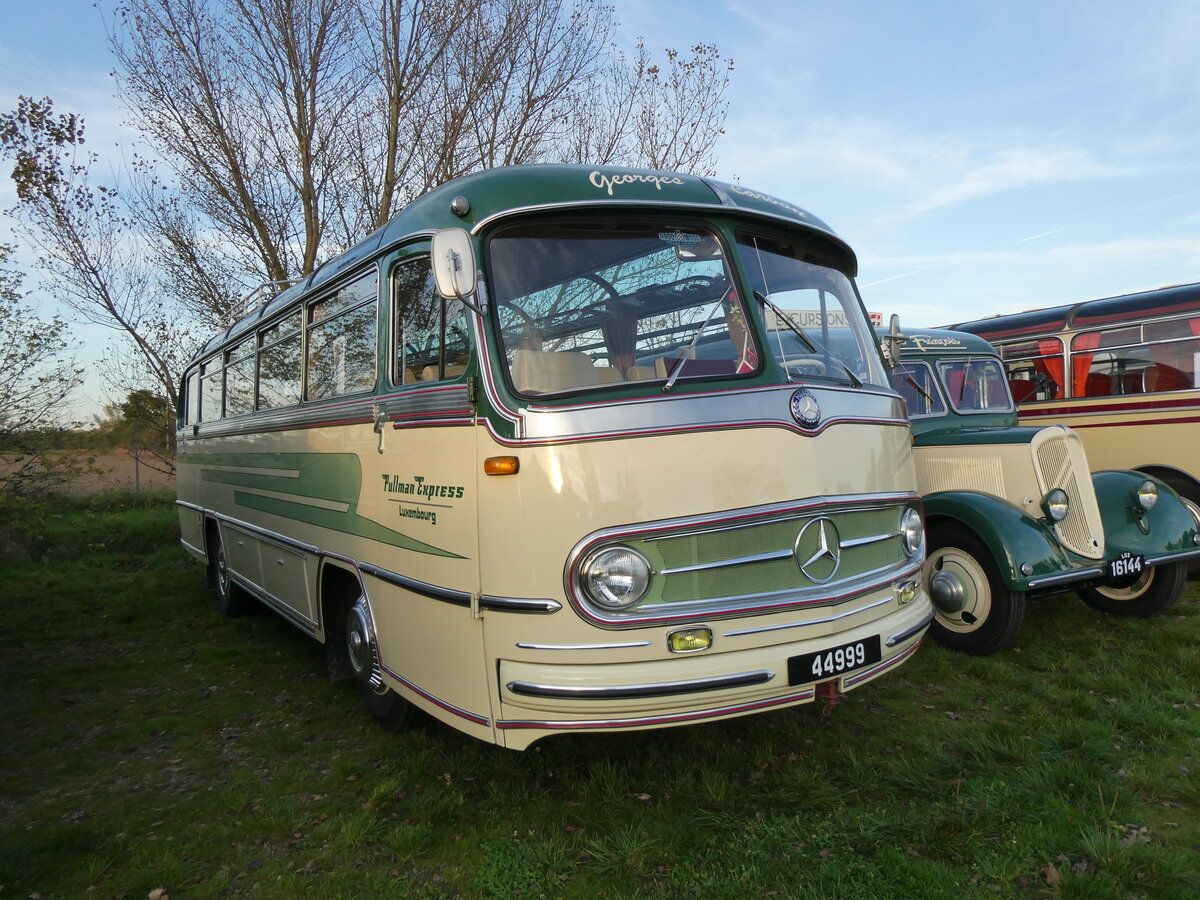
(828, 691)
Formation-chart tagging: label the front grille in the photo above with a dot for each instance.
(781, 558)
(1061, 462)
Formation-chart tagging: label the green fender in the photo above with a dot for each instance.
(1171, 530)
(1012, 536)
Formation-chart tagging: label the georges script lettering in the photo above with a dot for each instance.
(608, 182)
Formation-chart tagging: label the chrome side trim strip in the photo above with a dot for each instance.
(433, 591)
(623, 646)
(264, 533)
(287, 613)
(1173, 557)
(476, 718)
(192, 548)
(519, 604)
(807, 622)
(1066, 578)
(863, 674)
(901, 636)
(801, 696)
(191, 506)
(638, 691)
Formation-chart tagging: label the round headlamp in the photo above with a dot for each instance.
(1146, 494)
(1056, 504)
(615, 578)
(912, 531)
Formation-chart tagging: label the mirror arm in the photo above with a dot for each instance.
(454, 263)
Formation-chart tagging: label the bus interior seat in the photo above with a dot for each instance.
(536, 371)
(1022, 389)
(1159, 377)
(640, 373)
(453, 370)
(1098, 384)
(665, 366)
(1131, 383)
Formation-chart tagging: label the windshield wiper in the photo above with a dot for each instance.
(812, 345)
(677, 370)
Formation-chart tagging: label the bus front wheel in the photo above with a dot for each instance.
(387, 707)
(975, 612)
(1154, 592)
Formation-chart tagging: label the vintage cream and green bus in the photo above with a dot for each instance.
(1123, 371)
(1016, 512)
(525, 459)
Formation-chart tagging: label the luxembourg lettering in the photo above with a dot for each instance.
(419, 487)
(608, 182)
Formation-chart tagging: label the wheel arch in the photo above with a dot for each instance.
(339, 586)
(1011, 536)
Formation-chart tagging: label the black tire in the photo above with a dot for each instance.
(389, 709)
(990, 614)
(1154, 592)
(232, 599)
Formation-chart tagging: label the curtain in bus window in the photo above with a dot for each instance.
(1083, 348)
(1050, 364)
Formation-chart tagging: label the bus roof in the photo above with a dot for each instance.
(1177, 300)
(940, 341)
(514, 190)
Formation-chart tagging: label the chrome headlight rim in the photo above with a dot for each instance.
(912, 531)
(601, 589)
(1146, 494)
(1056, 505)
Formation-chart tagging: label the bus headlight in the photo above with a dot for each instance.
(1056, 504)
(1146, 494)
(912, 530)
(615, 577)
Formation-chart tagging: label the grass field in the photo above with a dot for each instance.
(146, 742)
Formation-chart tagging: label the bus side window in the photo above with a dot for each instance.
(421, 352)
(342, 341)
(1034, 369)
(192, 399)
(212, 391)
(279, 363)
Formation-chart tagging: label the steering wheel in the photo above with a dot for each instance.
(806, 365)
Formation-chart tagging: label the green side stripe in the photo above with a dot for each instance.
(331, 477)
(346, 522)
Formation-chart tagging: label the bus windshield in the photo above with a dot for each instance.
(591, 305)
(976, 385)
(816, 327)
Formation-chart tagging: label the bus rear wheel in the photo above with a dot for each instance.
(1155, 591)
(388, 708)
(975, 612)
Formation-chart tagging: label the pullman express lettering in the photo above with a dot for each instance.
(394, 484)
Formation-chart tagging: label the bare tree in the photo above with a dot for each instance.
(295, 126)
(87, 248)
(283, 130)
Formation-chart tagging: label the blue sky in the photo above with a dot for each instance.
(980, 156)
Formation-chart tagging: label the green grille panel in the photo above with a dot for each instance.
(715, 547)
(723, 554)
(755, 578)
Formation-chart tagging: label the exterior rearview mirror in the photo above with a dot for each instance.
(453, 261)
